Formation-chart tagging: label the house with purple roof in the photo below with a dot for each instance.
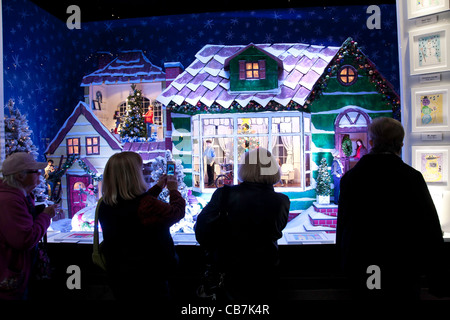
(297, 100)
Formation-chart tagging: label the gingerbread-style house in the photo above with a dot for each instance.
(297, 100)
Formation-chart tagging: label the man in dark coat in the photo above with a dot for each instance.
(388, 230)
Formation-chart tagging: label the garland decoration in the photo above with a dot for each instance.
(349, 53)
(57, 175)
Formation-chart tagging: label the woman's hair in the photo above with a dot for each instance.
(259, 166)
(12, 181)
(123, 178)
(386, 134)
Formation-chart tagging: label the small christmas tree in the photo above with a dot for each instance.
(18, 139)
(17, 132)
(133, 125)
(323, 187)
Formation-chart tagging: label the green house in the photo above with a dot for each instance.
(253, 70)
(297, 100)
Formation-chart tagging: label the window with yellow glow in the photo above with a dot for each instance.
(92, 145)
(252, 70)
(73, 146)
(347, 75)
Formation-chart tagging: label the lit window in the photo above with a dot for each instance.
(92, 145)
(347, 75)
(73, 146)
(252, 70)
(284, 134)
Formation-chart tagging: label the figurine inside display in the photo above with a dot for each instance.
(361, 150)
(337, 170)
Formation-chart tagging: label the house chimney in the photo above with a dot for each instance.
(173, 69)
(104, 58)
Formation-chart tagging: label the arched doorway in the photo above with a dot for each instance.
(353, 123)
(77, 195)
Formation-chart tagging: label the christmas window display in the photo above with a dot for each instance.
(233, 135)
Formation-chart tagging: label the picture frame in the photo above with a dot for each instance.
(429, 49)
(432, 162)
(422, 8)
(430, 109)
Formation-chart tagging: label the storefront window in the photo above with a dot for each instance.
(230, 136)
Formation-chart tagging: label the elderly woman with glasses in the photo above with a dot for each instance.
(21, 225)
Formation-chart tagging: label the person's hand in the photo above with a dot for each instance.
(162, 181)
(50, 210)
(172, 183)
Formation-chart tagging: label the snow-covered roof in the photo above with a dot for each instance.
(83, 109)
(206, 80)
(147, 150)
(129, 67)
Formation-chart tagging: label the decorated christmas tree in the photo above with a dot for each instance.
(323, 186)
(158, 168)
(17, 132)
(133, 125)
(18, 139)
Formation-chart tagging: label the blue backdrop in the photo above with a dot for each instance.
(44, 61)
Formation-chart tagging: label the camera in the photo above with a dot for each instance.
(170, 168)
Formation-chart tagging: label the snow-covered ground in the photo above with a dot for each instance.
(300, 224)
(62, 225)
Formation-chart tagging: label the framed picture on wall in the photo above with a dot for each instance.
(430, 108)
(429, 49)
(432, 162)
(420, 8)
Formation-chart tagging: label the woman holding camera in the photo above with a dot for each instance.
(137, 244)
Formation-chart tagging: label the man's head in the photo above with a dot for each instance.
(386, 135)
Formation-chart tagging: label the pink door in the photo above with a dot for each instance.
(77, 192)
